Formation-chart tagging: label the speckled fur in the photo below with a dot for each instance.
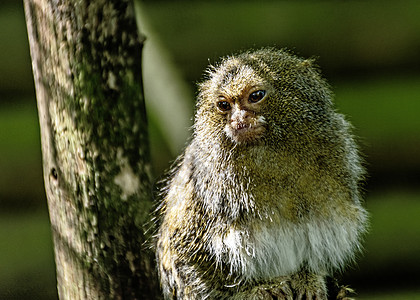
(277, 203)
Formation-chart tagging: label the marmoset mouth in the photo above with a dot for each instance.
(240, 126)
(244, 132)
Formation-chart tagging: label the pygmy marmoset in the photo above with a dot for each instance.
(264, 203)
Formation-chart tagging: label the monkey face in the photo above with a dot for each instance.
(233, 102)
(243, 121)
(259, 97)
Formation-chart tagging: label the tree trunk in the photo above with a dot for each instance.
(86, 59)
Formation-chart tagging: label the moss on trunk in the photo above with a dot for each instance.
(86, 58)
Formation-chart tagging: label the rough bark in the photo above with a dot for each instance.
(86, 58)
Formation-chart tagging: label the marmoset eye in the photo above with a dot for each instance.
(256, 96)
(223, 105)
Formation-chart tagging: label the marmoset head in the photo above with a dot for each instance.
(259, 96)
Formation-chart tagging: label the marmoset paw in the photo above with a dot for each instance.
(311, 295)
(276, 291)
(345, 293)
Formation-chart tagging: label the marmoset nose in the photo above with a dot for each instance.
(240, 115)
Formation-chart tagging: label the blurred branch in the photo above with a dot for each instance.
(166, 92)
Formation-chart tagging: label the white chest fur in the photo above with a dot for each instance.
(273, 250)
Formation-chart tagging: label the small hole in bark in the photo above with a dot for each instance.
(54, 173)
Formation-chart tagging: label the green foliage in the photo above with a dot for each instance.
(21, 183)
(383, 109)
(394, 234)
(19, 135)
(391, 295)
(26, 257)
(15, 64)
(346, 35)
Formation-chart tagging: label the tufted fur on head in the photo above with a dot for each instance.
(269, 184)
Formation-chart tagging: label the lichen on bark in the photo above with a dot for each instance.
(86, 58)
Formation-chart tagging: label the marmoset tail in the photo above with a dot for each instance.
(264, 202)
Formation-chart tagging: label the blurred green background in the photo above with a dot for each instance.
(369, 52)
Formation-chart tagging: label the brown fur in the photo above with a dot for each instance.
(265, 201)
